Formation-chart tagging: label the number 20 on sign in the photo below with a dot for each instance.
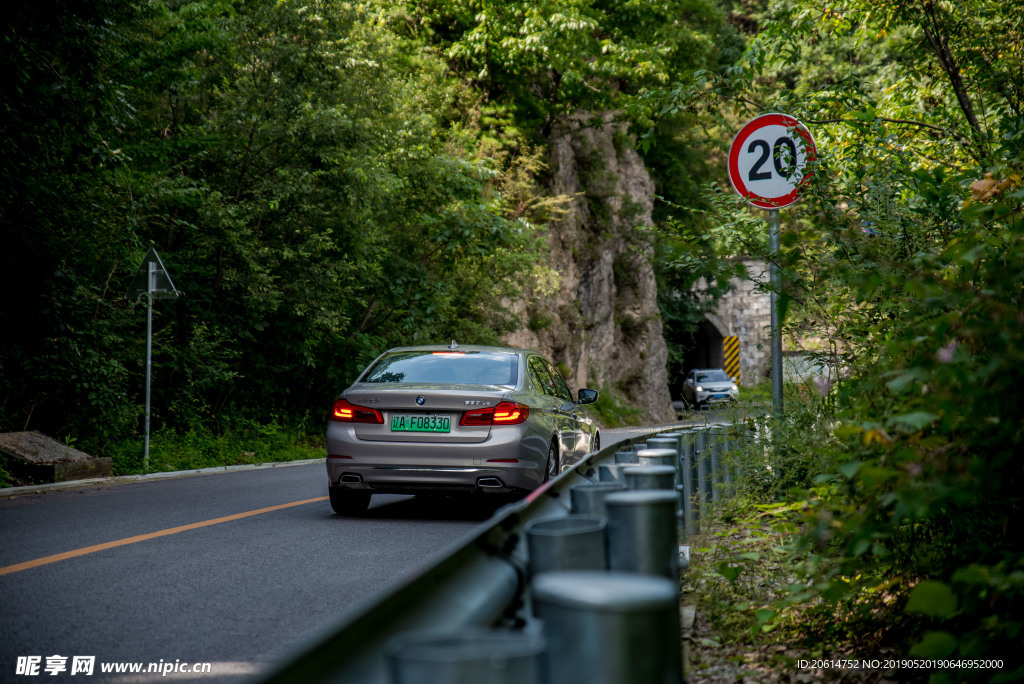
(769, 158)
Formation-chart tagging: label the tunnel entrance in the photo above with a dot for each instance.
(700, 349)
(706, 350)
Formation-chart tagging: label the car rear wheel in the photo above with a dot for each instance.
(347, 502)
(552, 466)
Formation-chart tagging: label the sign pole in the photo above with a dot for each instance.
(151, 286)
(770, 160)
(152, 280)
(149, 371)
(776, 288)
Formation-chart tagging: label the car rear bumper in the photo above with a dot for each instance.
(500, 464)
(714, 397)
(386, 480)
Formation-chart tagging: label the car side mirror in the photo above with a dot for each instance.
(587, 396)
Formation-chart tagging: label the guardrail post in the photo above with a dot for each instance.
(717, 435)
(610, 628)
(664, 451)
(651, 477)
(588, 499)
(729, 445)
(658, 456)
(494, 657)
(745, 436)
(573, 543)
(625, 457)
(661, 443)
(702, 455)
(642, 534)
(688, 473)
(611, 472)
(677, 437)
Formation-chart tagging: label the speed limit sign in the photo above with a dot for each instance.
(768, 160)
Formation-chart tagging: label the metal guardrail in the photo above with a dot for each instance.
(483, 580)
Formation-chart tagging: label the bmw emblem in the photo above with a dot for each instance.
(420, 400)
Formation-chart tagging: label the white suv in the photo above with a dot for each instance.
(707, 385)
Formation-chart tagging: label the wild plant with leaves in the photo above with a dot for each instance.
(903, 267)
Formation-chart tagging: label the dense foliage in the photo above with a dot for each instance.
(322, 179)
(299, 168)
(903, 269)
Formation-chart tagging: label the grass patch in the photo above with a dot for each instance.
(793, 393)
(759, 393)
(754, 622)
(613, 412)
(753, 400)
(249, 442)
(762, 584)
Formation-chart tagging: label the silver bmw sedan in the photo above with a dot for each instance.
(451, 419)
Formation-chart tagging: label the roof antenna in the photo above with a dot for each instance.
(453, 345)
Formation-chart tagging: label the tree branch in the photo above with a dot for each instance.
(940, 46)
(906, 122)
(246, 159)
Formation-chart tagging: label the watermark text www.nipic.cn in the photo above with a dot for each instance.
(34, 666)
(899, 664)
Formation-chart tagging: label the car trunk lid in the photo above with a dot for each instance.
(424, 414)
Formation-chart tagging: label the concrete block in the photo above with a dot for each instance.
(34, 457)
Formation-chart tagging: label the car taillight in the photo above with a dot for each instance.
(505, 413)
(344, 412)
(477, 417)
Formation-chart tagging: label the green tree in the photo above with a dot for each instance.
(538, 62)
(62, 242)
(293, 164)
(905, 253)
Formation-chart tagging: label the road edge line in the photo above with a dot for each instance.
(26, 490)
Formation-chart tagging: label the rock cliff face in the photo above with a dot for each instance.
(602, 326)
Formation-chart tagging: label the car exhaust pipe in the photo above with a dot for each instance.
(489, 483)
(349, 478)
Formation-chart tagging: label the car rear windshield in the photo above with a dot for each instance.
(713, 376)
(446, 368)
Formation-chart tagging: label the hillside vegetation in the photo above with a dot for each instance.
(891, 492)
(325, 179)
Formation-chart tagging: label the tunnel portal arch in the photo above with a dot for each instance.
(744, 312)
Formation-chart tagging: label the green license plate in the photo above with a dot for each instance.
(404, 422)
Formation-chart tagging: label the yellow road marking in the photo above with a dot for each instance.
(144, 537)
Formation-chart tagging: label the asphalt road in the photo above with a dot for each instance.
(236, 593)
(235, 569)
